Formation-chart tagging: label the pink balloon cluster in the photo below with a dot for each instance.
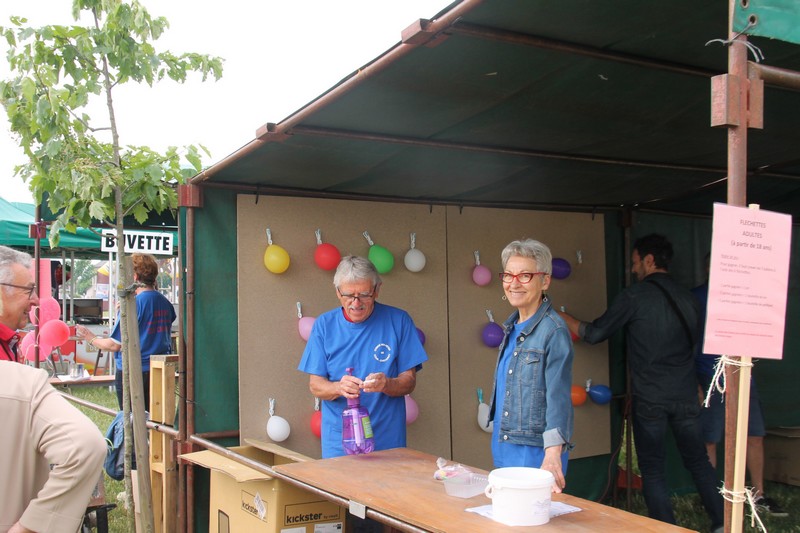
(52, 331)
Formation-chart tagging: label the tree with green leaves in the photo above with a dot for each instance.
(56, 71)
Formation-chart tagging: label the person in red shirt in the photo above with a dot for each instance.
(17, 295)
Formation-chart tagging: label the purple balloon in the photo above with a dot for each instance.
(561, 268)
(421, 336)
(492, 334)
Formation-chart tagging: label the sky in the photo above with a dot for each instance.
(279, 55)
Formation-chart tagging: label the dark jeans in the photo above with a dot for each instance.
(145, 380)
(650, 423)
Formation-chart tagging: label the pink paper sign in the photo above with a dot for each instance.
(748, 282)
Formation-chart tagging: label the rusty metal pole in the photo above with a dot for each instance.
(737, 196)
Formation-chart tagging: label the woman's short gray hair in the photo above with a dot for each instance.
(353, 268)
(8, 257)
(531, 249)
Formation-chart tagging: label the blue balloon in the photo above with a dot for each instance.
(600, 394)
(561, 268)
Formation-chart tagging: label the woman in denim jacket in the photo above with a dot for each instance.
(532, 400)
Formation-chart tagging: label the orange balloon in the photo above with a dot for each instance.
(578, 395)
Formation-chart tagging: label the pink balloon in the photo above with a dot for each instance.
(48, 310)
(27, 350)
(412, 409)
(54, 333)
(481, 275)
(304, 325)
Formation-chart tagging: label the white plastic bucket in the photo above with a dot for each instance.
(520, 495)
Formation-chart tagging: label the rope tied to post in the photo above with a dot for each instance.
(718, 381)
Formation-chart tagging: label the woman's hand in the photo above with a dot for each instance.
(552, 463)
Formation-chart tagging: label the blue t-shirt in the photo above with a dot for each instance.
(155, 315)
(385, 342)
(506, 453)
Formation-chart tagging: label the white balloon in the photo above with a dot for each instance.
(414, 260)
(278, 428)
(483, 418)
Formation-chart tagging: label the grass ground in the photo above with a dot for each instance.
(688, 510)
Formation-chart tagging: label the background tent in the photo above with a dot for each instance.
(15, 219)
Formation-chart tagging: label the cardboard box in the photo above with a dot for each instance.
(244, 499)
(782, 455)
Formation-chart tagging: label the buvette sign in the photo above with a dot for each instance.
(138, 241)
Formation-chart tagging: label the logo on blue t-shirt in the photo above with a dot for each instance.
(382, 352)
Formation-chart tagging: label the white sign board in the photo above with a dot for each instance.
(147, 242)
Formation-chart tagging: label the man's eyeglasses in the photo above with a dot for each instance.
(522, 277)
(29, 288)
(364, 296)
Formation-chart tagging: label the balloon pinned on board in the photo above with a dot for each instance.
(561, 268)
(483, 414)
(481, 275)
(304, 323)
(412, 409)
(326, 256)
(599, 394)
(277, 427)
(379, 256)
(276, 259)
(572, 335)
(492, 334)
(316, 420)
(414, 259)
(578, 395)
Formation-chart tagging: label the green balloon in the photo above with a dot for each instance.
(381, 258)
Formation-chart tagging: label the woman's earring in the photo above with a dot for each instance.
(545, 298)
(503, 298)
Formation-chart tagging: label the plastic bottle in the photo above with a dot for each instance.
(356, 427)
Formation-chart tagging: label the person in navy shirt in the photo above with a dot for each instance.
(155, 315)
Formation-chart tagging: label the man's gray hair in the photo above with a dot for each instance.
(353, 268)
(531, 249)
(9, 257)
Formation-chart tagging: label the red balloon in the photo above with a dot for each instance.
(54, 333)
(578, 395)
(316, 423)
(327, 256)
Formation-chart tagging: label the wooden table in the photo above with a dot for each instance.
(93, 381)
(399, 483)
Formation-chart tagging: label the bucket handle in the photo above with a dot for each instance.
(488, 491)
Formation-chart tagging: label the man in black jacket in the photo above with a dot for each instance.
(662, 325)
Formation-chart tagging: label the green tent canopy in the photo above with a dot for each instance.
(16, 218)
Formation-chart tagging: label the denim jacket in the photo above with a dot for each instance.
(537, 409)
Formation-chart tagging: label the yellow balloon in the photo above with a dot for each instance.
(276, 259)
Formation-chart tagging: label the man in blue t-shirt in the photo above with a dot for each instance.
(155, 315)
(379, 342)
